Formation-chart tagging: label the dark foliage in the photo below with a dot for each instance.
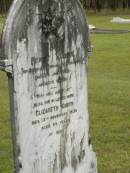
(96, 5)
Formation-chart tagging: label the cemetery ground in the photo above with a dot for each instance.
(109, 101)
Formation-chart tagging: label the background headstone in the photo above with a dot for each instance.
(46, 43)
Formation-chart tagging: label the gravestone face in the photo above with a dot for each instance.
(47, 41)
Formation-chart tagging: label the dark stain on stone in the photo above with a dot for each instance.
(81, 19)
(49, 24)
(18, 150)
(92, 166)
(62, 152)
(89, 140)
(45, 57)
(55, 164)
(18, 165)
(82, 151)
(74, 159)
(52, 17)
(22, 34)
(73, 138)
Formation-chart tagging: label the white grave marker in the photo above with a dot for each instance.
(46, 43)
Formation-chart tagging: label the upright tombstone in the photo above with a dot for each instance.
(45, 43)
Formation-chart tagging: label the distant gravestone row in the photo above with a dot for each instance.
(45, 45)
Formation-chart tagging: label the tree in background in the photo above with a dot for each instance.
(96, 5)
(4, 5)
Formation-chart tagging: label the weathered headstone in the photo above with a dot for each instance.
(45, 43)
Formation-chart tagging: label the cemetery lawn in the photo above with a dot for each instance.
(109, 101)
(6, 162)
(109, 96)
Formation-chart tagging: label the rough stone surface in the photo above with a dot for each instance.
(47, 41)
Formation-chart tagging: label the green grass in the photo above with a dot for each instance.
(5, 129)
(109, 12)
(109, 96)
(109, 101)
(6, 161)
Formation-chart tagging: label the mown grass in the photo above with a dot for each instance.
(106, 12)
(109, 101)
(109, 96)
(6, 161)
(5, 129)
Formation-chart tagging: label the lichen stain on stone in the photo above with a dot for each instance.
(50, 20)
(82, 150)
(55, 164)
(74, 159)
(62, 152)
(18, 165)
(54, 17)
(77, 158)
(45, 57)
